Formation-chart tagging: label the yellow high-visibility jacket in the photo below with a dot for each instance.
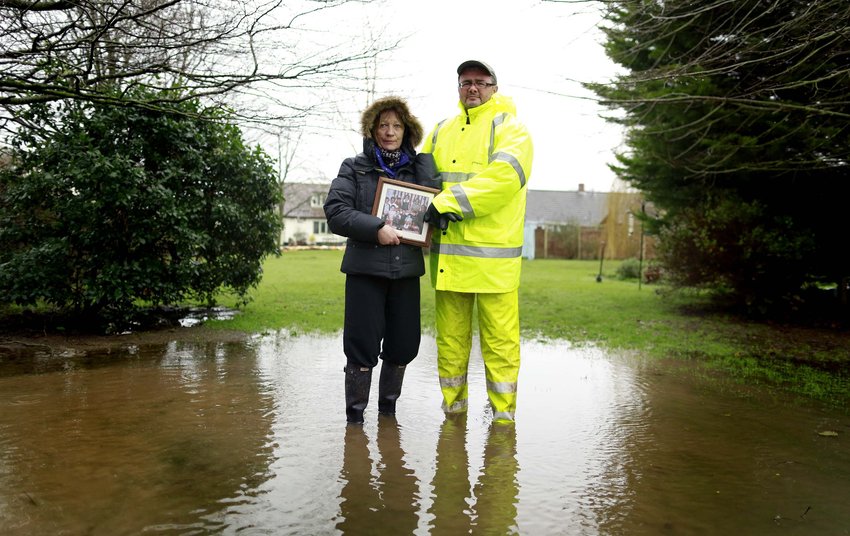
(484, 158)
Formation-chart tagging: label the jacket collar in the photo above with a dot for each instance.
(497, 103)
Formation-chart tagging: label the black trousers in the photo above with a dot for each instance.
(381, 320)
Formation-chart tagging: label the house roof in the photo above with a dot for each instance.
(576, 207)
(297, 199)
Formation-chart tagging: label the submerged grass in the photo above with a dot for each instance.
(303, 291)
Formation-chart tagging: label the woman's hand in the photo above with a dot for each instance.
(388, 236)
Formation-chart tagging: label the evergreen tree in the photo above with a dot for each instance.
(737, 119)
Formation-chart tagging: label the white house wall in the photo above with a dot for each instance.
(301, 229)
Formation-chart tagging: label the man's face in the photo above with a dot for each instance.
(475, 87)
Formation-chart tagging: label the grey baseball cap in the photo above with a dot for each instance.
(475, 64)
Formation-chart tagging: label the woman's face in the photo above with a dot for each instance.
(390, 131)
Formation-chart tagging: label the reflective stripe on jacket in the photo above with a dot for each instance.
(484, 157)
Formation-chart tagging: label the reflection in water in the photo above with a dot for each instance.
(497, 488)
(451, 508)
(113, 449)
(490, 506)
(250, 438)
(397, 482)
(360, 494)
(379, 493)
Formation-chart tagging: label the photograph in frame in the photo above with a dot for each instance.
(403, 205)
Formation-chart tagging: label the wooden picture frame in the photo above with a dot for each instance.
(403, 205)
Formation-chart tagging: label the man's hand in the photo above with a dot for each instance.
(432, 215)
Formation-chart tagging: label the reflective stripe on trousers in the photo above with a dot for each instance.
(498, 324)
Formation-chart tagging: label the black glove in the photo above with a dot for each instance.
(434, 216)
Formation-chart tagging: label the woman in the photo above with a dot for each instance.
(382, 274)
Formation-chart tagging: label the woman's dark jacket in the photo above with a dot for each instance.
(348, 208)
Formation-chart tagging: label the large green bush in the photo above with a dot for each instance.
(735, 249)
(105, 206)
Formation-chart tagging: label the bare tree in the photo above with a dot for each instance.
(287, 149)
(245, 54)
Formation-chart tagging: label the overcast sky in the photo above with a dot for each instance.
(540, 52)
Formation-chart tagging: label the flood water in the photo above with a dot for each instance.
(249, 437)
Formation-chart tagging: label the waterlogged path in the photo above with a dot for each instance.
(249, 437)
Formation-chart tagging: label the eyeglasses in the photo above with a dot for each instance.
(480, 84)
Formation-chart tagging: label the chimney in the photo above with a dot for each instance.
(581, 187)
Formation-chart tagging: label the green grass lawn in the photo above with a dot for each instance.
(303, 291)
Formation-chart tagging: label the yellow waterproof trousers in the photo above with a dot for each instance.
(498, 324)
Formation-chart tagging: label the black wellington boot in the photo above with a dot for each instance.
(389, 387)
(358, 380)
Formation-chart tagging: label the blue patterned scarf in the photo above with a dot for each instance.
(390, 161)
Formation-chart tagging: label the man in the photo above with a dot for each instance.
(484, 157)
